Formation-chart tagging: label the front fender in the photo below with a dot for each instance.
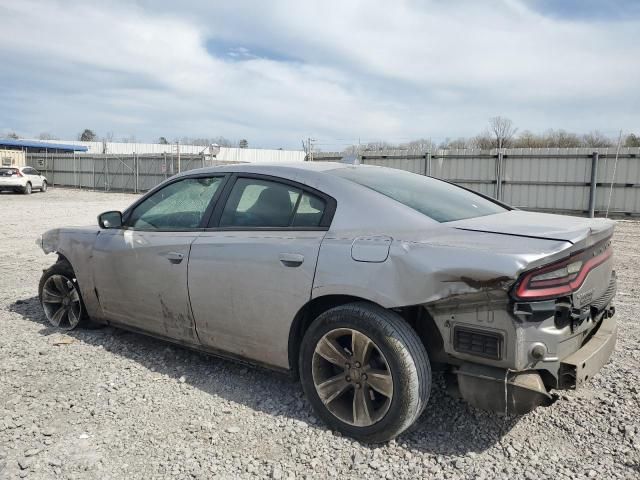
(76, 246)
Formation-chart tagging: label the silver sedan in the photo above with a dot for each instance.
(360, 280)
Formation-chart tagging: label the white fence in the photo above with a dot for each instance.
(227, 154)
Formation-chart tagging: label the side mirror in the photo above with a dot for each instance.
(112, 219)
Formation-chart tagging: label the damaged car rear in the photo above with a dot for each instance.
(358, 279)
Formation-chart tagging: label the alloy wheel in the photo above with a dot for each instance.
(352, 377)
(61, 302)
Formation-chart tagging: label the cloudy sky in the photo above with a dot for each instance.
(274, 72)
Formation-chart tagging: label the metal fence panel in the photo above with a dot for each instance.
(537, 179)
(128, 173)
(548, 179)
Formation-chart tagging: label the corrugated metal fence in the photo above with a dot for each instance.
(124, 173)
(547, 179)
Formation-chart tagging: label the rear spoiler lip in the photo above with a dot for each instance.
(579, 239)
(515, 235)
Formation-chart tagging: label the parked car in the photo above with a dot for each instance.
(359, 279)
(22, 179)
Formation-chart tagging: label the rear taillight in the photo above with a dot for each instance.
(563, 277)
(17, 173)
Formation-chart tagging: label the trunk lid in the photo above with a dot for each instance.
(580, 232)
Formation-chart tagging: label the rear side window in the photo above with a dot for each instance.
(441, 201)
(309, 212)
(255, 203)
(7, 172)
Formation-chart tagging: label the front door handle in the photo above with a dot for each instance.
(174, 257)
(291, 259)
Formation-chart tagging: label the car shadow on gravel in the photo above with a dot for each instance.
(447, 427)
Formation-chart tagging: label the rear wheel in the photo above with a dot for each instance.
(365, 371)
(44, 186)
(60, 297)
(27, 189)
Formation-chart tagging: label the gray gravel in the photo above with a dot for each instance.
(110, 404)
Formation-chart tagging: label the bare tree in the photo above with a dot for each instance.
(528, 139)
(632, 140)
(13, 135)
(163, 141)
(222, 141)
(459, 142)
(46, 136)
(561, 139)
(596, 139)
(484, 141)
(502, 129)
(421, 145)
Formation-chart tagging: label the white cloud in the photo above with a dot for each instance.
(333, 69)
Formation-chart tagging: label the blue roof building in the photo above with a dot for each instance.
(36, 146)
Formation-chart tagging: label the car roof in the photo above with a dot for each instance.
(270, 167)
(305, 172)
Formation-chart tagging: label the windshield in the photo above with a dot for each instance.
(441, 201)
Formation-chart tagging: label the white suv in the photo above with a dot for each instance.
(22, 179)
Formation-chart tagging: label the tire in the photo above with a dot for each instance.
(57, 283)
(395, 351)
(44, 186)
(27, 189)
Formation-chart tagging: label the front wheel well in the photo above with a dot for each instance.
(417, 316)
(62, 258)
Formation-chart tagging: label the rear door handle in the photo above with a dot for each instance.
(174, 257)
(291, 259)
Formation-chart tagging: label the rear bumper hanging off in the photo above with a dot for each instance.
(580, 366)
(516, 393)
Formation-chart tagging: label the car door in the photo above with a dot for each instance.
(37, 177)
(140, 270)
(253, 269)
(33, 176)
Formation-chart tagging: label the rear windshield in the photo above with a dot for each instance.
(434, 198)
(7, 172)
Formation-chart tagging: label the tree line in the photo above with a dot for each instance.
(502, 133)
(499, 133)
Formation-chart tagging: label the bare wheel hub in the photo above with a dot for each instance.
(61, 302)
(352, 377)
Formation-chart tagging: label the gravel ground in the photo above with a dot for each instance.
(110, 404)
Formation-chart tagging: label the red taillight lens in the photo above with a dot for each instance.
(563, 277)
(17, 173)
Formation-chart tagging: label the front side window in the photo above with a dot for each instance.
(441, 201)
(263, 203)
(178, 206)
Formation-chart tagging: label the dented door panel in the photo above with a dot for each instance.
(141, 283)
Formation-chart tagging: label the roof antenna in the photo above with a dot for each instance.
(615, 164)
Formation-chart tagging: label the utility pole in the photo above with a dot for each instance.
(308, 148)
(178, 152)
